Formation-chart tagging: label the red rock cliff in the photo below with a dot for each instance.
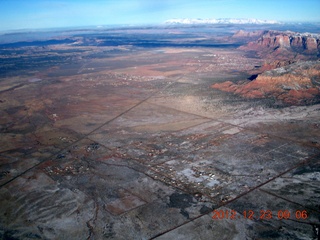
(297, 42)
(294, 84)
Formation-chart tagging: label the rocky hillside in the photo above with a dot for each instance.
(282, 43)
(294, 84)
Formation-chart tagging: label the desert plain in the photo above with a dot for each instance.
(156, 134)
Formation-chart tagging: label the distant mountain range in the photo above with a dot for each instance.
(219, 21)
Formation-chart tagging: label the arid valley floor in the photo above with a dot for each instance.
(102, 140)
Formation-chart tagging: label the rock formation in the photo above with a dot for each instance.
(275, 42)
(294, 84)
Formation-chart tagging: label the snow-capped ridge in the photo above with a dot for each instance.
(219, 21)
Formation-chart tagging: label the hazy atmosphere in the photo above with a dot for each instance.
(18, 14)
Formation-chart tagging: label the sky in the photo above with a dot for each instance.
(35, 14)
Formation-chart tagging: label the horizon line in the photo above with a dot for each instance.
(97, 26)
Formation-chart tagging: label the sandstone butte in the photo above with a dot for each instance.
(281, 45)
(299, 42)
(295, 84)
